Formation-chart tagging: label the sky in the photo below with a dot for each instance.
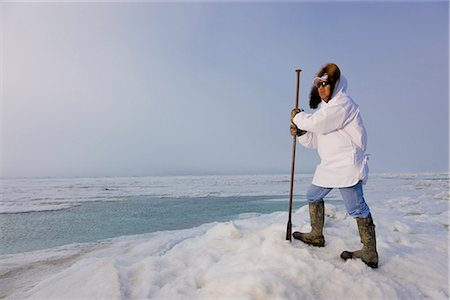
(199, 88)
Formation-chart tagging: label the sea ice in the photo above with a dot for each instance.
(249, 258)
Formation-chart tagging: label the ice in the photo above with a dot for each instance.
(248, 215)
(32, 195)
(249, 258)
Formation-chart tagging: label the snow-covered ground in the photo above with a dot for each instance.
(250, 258)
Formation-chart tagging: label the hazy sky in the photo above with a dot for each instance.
(119, 89)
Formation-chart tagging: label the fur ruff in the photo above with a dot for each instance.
(333, 76)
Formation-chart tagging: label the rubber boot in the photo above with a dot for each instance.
(368, 253)
(317, 217)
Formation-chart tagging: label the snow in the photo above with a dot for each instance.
(249, 258)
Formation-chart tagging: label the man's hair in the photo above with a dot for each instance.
(333, 72)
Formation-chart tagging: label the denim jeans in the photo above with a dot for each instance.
(353, 198)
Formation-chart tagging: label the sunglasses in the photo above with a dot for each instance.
(322, 83)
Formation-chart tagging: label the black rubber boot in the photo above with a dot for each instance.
(368, 254)
(317, 217)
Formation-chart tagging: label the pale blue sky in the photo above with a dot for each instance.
(119, 89)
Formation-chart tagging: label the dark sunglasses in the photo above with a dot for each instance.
(323, 83)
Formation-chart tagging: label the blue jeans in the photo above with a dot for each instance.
(353, 198)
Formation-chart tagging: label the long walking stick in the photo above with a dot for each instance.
(289, 224)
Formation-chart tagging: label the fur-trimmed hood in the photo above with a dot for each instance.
(334, 73)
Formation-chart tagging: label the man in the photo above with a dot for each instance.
(337, 132)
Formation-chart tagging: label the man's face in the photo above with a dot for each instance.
(324, 91)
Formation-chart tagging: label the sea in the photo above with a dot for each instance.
(42, 213)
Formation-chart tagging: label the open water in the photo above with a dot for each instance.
(38, 214)
(94, 221)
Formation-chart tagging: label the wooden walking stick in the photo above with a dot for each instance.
(289, 224)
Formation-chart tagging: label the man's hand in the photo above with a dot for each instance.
(294, 111)
(295, 131)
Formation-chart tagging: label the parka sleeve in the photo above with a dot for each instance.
(308, 140)
(324, 121)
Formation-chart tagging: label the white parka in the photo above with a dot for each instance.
(337, 132)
